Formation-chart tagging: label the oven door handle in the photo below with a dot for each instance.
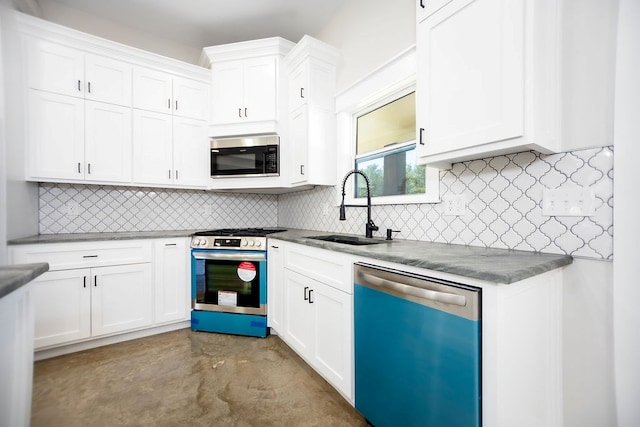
(248, 256)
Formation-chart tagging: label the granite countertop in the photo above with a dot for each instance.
(501, 266)
(93, 237)
(13, 277)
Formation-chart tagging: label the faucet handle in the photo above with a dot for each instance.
(389, 231)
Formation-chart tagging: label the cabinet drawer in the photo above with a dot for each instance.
(331, 268)
(62, 256)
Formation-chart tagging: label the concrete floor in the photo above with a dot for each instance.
(186, 378)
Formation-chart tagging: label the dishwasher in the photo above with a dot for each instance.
(417, 349)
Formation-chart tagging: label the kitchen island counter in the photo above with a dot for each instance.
(502, 266)
(13, 277)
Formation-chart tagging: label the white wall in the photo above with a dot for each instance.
(81, 21)
(626, 269)
(368, 34)
(21, 196)
(3, 164)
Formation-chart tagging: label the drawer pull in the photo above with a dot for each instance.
(170, 244)
(90, 256)
(84, 284)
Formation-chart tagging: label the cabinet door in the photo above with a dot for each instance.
(333, 347)
(298, 87)
(54, 68)
(275, 287)
(152, 148)
(298, 122)
(260, 89)
(227, 104)
(55, 136)
(477, 95)
(172, 286)
(152, 90)
(298, 315)
(190, 153)
(108, 80)
(190, 99)
(121, 298)
(62, 304)
(107, 142)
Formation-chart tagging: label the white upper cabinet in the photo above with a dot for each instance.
(158, 91)
(311, 68)
(247, 89)
(57, 68)
(496, 77)
(91, 111)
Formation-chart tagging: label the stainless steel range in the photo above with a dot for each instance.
(229, 281)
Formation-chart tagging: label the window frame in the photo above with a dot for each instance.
(393, 80)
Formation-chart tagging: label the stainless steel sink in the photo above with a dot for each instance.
(347, 240)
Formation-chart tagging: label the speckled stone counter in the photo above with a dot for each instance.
(13, 277)
(93, 237)
(501, 266)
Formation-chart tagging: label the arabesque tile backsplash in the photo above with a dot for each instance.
(503, 195)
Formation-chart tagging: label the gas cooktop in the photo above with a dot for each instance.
(242, 232)
(250, 239)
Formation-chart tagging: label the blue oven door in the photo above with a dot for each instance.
(229, 291)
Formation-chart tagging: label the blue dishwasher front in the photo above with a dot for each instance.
(417, 350)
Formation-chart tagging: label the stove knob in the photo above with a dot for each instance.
(243, 242)
(251, 243)
(258, 244)
(203, 242)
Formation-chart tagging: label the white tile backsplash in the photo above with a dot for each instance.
(504, 206)
(111, 209)
(503, 196)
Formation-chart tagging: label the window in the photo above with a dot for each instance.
(386, 150)
(376, 134)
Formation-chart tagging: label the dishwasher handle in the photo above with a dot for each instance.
(401, 288)
(453, 298)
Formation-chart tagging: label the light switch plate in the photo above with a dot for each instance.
(568, 201)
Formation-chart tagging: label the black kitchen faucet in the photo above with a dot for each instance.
(370, 226)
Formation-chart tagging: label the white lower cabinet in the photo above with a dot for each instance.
(106, 288)
(120, 298)
(75, 304)
(62, 301)
(172, 291)
(313, 288)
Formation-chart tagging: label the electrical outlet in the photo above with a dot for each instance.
(72, 207)
(454, 205)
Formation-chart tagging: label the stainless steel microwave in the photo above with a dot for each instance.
(245, 157)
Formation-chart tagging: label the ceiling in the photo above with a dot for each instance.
(199, 23)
